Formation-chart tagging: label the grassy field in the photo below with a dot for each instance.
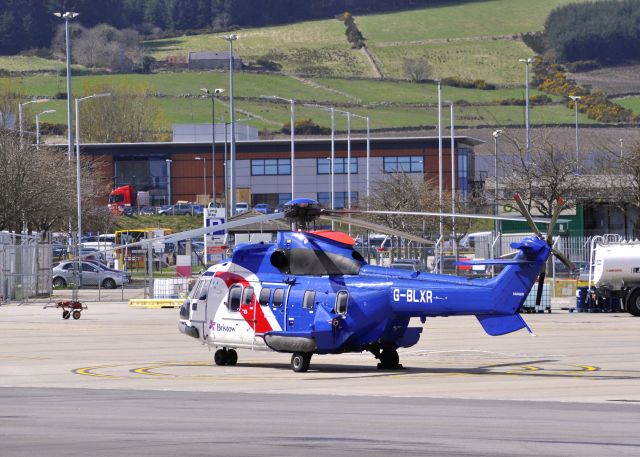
(632, 103)
(456, 38)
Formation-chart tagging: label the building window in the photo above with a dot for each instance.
(340, 166)
(340, 199)
(269, 167)
(403, 164)
(463, 172)
(272, 199)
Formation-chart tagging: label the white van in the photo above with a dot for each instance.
(242, 207)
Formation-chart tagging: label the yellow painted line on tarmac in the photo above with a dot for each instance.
(155, 303)
(88, 371)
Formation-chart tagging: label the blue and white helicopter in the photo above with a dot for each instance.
(312, 293)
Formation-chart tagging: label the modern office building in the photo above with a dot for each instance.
(180, 171)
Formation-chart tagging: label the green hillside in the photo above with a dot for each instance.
(474, 40)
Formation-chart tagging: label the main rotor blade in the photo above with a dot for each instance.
(377, 228)
(527, 215)
(423, 213)
(174, 237)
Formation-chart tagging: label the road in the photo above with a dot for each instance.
(122, 380)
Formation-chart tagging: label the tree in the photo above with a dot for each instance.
(417, 70)
(126, 116)
(38, 188)
(542, 175)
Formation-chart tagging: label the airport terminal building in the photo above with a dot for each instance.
(176, 171)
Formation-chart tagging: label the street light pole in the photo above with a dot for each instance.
(575, 99)
(213, 139)
(232, 172)
(496, 135)
(21, 113)
(440, 174)
(168, 161)
(366, 118)
(526, 97)
(38, 125)
(78, 191)
(453, 182)
(204, 173)
(67, 16)
(293, 142)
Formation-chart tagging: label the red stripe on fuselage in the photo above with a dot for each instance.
(259, 322)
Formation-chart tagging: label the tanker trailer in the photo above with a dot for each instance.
(616, 273)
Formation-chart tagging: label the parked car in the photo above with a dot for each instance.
(180, 209)
(59, 250)
(242, 207)
(92, 254)
(147, 210)
(264, 208)
(105, 267)
(92, 275)
(197, 210)
(279, 208)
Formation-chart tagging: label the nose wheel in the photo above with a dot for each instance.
(300, 361)
(225, 356)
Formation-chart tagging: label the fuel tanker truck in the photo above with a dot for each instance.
(615, 272)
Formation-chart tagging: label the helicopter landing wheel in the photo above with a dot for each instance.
(232, 357)
(389, 359)
(300, 361)
(220, 357)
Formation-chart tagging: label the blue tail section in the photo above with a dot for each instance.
(501, 325)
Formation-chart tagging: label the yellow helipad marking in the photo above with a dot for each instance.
(88, 371)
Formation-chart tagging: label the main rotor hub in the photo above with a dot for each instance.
(302, 211)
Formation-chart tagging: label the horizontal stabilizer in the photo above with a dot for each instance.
(501, 325)
(494, 262)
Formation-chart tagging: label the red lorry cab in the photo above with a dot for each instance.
(121, 197)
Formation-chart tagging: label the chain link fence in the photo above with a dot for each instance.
(25, 267)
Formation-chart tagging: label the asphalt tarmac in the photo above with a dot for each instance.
(123, 381)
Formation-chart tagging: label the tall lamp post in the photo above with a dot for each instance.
(21, 113)
(366, 118)
(453, 180)
(293, 144)
(440, 174)
(333, 150)
(348, 114)
(496, 135)
(48, 111)
(526, 99)
(78, 191)
(212, 95)
(204, 173)
(575, 99)
(168, 161)
(67, 16)
(232, 172)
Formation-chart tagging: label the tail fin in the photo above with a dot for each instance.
(501, 325)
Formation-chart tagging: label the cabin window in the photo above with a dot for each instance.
(248, 296)
(234, 298)
(265, 294)
(342, 298)
(278, 298)
(309, 299)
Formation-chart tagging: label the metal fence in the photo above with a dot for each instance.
(25, 267)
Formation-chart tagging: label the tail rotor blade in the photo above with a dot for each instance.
(554, 219)
(527, 215)
(540, 287)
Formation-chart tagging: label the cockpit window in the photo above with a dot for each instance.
(248, 296)
(234, 298)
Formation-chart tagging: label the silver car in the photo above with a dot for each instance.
(92, 275)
